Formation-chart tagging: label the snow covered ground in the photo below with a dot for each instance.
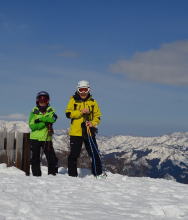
(86, 198)
(118, 197)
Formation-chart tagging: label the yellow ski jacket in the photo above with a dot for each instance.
(73, 111)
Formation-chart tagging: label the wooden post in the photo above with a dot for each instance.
(26, 154)
(10, 148)
(19, 147)
(3, 157)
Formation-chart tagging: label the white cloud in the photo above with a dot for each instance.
(15, 116)
(167, 65)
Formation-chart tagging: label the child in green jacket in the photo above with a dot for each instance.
(41, 120)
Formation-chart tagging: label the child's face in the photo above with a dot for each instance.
(43, 100)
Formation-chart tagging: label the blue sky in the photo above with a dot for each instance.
(134, 53)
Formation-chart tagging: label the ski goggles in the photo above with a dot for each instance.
(83, 90)
(43, 99)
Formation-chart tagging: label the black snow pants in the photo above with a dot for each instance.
(75, 149)
(49, 152)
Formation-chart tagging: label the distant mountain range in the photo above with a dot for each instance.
(157, 157)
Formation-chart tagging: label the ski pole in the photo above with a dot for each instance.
(93, 156)
(97, 150)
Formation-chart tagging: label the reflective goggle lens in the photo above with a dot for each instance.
(43, 99)
(83, 90)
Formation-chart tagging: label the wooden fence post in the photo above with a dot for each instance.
(26, 154)
(3, 156)
(10, 148)
(19, 147)
(15, 151)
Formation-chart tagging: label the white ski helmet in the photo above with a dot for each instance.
(83, 84)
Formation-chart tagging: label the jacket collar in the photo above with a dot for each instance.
(43, 109)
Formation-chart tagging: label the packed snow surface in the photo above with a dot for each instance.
(87, 198)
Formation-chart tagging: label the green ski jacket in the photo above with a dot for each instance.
(38, 123)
